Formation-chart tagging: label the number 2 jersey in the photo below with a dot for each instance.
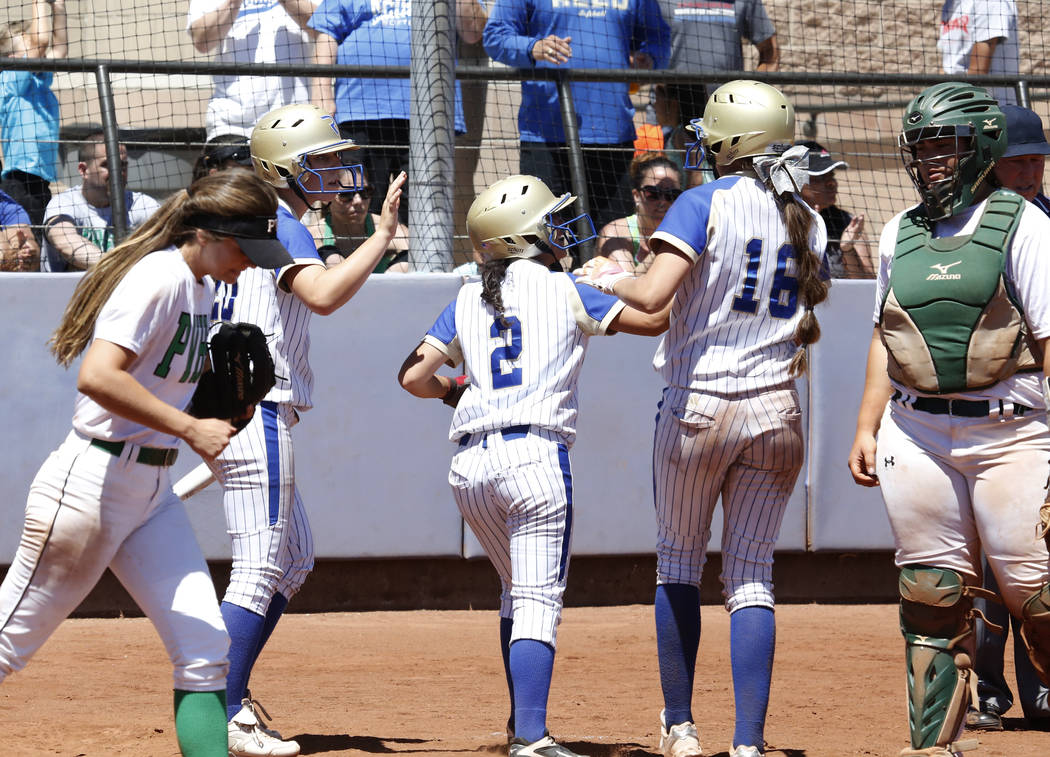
(523, 367)
(734, 316)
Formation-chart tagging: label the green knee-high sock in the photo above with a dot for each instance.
(200, 723)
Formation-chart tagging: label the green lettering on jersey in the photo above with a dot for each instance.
(198, 350)
(177, 346)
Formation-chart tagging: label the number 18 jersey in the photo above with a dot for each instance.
(523, 366)
(734, 315)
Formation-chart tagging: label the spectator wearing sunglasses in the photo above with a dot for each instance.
(340, 227)
(848, 254)
(656, 182)
(222, 152)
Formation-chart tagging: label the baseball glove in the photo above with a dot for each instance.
(241, 374)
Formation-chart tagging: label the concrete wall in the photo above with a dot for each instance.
(372, 460)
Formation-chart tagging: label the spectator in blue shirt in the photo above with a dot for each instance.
(546, 34)
(19, 250)
(29, 109)
(374, 113)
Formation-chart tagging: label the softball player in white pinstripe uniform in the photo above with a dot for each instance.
(736, 255)
(104, 499)
(521, 333)
(297, 149)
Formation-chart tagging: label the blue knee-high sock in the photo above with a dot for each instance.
(506, 625)
(531, 666)
(677, 610)
(752, 638)
(246, 629)
(273, 614)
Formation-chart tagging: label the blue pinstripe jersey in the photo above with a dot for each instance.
(523, 369)
(734, 315)
(258, 298)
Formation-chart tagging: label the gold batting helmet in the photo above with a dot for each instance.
(743, 119)
(283, 139)
(507, 219)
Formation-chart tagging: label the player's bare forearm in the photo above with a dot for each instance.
(418, 374)
(632, 321)
(325, 290)
(655, 290)
(104, 378)
(877, 391)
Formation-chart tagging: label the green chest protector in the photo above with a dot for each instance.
(949, 322)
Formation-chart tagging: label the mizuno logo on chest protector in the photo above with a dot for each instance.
(943, 274)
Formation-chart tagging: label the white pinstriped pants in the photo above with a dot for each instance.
(273, 548)
(88, 510)
(516, 496)
(748, 450)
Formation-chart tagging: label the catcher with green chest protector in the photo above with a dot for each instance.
(953, 422)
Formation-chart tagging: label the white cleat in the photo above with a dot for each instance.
(247, 736)
(680, 740)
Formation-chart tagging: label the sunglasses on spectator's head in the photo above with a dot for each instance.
(654, 193)
(241, 154)
(365, 192)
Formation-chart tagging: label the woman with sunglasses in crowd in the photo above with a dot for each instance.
(341, 226)
(656, 183)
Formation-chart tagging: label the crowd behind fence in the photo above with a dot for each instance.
(136, 73)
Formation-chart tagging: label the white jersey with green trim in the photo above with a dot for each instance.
(159, 311)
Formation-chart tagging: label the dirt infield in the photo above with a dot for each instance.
(431, 682)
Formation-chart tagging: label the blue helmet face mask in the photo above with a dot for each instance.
(694, 151)
(352, 172)
(561, 234)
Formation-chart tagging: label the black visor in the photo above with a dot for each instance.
(256, 236)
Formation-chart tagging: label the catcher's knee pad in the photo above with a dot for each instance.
(937, 624)
(1035, 631)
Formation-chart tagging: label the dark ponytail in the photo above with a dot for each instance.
(812, 284)
(492, 274)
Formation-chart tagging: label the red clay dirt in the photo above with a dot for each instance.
(432, 683)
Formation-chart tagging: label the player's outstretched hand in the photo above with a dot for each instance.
(388, 218)
(601, 273)
(862, 460)
(209, 436)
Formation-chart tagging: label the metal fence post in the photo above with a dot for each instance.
(576, 167)
(431, 136)
(116, 176)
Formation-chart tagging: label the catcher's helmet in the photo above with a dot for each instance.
(970, 117)
(512, 215)
(283, 139)
(742, 119)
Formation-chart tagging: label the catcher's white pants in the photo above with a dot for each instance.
(954, 485)
(516, 496)
(746, 450)
(272, 543)
(88, 510)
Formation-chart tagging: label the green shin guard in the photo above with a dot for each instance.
(937, 624)
(938, 689)
(200, 723)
